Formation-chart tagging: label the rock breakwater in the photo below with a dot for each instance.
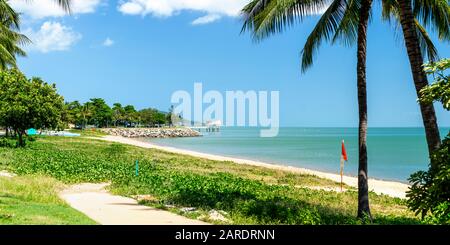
(151, 132)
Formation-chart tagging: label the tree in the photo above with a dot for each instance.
(28, 103)
(73, 113)
(363, 185)
(429, 194)
(101, 113)
(10, 38)
(86, 114)
(131, 116)
(152, 117)
(440, 89)
(169, 116)
(118, 113)
(434, 13)
(342, 20)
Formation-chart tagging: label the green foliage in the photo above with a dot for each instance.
(7, 142)
(101, 112)
(431, 189)
(440, 215)
(440, 89)
(28, 103)
(429, 194)
(250, 195)
(10, 38)
(97, 112)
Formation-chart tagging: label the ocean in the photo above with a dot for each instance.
(393, 153)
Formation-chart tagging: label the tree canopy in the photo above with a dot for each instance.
(28, 103)
(98, 113)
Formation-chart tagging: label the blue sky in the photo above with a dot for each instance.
(140, 51)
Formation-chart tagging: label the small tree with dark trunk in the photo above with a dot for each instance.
(28, 103)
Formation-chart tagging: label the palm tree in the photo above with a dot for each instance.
(10, 38)
(345, 20)
(363, 185)
(435, 13)
(85, 113)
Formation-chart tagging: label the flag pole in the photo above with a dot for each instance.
(343, 159)
(342, 170)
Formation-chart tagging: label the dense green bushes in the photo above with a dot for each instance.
(429, 195)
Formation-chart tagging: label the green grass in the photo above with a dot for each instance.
(34, 200)
(248, 194)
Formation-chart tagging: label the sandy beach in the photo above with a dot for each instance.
(391, 188)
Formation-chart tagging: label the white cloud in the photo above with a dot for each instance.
(206, 19)
(214, 9)
(38, 9)
(108, 42)
(52, 36)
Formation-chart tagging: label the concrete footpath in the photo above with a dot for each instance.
(107, 209)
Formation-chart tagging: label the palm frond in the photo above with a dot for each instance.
(7, 14)
(347, 31)
(434, 14)
(64, 4)
(391, 13)
(266, 17)
(426, 45)
(324, 30)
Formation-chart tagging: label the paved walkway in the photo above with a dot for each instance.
(107, 209)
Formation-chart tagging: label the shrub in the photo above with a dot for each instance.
(440, 215)
(429, 194)
(7, 142)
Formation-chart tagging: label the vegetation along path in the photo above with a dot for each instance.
(107, 209)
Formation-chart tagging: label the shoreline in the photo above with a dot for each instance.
(390, 188)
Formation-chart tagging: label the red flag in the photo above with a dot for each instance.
(344, 153)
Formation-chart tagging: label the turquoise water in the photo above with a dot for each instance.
(393, 153)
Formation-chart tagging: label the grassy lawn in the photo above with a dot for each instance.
(34, 200)
(247, 194)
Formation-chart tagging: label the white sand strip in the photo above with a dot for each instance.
(106, 209)
(391, 188)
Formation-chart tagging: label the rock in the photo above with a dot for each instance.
(151, 132)
(217, 215)
(146, 198)
(188, 209)
(7, 174)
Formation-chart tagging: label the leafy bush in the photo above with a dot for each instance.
(7, 142)
(429, 194)
(440, 215)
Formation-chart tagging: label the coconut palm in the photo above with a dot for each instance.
(10, 38)
(345, 20)
(434, 14)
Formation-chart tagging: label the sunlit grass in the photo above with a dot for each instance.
(34, 200)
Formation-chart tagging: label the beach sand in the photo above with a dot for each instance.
(391, 188)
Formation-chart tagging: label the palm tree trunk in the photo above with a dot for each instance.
(419, 76)
(363, 185)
